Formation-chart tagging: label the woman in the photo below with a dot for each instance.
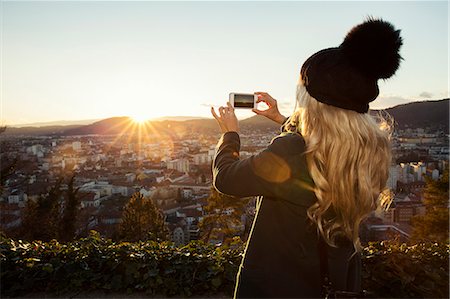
(320, 177)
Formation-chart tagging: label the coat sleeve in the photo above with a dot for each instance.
(260, 174)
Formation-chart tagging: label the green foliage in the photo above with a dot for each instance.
(50, 217)
(93, 263)
(392, 269)
(142, 220)
(69, 216)
(433, 226)
(7, 165)
(196, 269)
(7, 168)
(41, 219)
(223, 213)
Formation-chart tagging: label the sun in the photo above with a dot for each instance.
(140, 118)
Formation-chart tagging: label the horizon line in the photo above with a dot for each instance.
(159, 118)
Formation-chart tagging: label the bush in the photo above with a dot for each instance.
(160, 268)
(94, 263)
(392, 269)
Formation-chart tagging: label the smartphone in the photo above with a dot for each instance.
(243, 100)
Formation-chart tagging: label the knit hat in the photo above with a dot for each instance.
(346, 76)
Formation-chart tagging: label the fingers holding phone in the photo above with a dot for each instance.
(272, 112)
(266, 98)
(226, 119)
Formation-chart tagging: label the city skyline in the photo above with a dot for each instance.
(94, 60)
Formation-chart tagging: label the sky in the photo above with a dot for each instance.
(77, 60)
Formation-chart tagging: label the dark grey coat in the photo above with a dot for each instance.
(281, 258)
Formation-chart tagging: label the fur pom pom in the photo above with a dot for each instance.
(373, 48)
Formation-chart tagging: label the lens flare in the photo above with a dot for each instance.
(140, 118)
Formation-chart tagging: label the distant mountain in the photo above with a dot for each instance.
(434, 114)
(109, 126)
(177, 118)
(58, 123)
(126, 125)
(38, 131)
(259, 121)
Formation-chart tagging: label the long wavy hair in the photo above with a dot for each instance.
(348, 156)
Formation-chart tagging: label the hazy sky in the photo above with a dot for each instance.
(85, 60)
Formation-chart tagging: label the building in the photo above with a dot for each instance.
(17, 197)
(178, 236)
(89, 199)
(419, 170)
(435, 174)
(76, 145)
(393, 177)
(10, 215)
(201, 158)
(35, 149)
(181, 165)
(406, 208)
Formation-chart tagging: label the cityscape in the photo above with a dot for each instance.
(173, 168)
(107, 146)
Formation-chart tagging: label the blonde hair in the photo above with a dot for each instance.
(348, 156)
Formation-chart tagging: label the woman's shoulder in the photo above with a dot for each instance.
(288, 143)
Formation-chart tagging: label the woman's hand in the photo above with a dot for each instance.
(227, 120)
(272, 112)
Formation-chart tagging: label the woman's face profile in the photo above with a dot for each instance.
(299, 94)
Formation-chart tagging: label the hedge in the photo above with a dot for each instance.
(196, 269)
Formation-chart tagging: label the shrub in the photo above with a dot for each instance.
(393, 269)
(200, 269)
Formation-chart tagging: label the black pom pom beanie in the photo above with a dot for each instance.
(347, 76)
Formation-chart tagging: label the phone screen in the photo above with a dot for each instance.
(243, 100)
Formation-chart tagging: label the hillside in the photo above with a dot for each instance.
(109, 126)
(433, 114)
(36, 131)
(124, 125)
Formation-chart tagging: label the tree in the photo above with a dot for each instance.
(223, 216)
(69, 217)
(7, 169)
(434, 224)
(41, 218)
(179, 197)
(203, 178)
(7, 165)
(48, 219)
(142, 220)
